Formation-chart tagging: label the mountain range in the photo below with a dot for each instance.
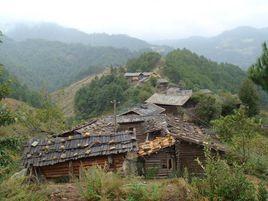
(54, 32)
(240, 46)
(46, 54)
(50, 64)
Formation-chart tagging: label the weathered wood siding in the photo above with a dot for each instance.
(187, 153)
(170, 109)
(73, 168)
(154, 161)
(141, 137)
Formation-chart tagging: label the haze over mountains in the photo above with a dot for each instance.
(54, 32)
(240, 46)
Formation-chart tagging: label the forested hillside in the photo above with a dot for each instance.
(240, 46)
(18, 91)
(40, 63)
(181, 67)
(196, 72)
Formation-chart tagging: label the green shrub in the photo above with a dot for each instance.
(223, 182)
(142, 192)
(151, 172)
(10, 148)
(97, 185)
(207, 109)
(262, 192)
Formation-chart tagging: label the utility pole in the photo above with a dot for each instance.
(115, 121)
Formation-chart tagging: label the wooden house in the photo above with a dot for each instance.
(162, 84)
(136, 119)
(171, 102)
(67, 156)
(139, 76)
(179, 149)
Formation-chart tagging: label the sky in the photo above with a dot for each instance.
(146, 19)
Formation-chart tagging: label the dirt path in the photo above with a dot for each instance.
(64, 192)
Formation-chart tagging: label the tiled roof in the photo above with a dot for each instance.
(51, 151)
(189, 132)
(164, 99)
(145, 109)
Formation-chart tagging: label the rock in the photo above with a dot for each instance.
(20, 174)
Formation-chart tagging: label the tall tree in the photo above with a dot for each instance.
(259, 72)
(249, 96)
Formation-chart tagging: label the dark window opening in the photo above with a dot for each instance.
(170, 164)
(131, 129)
(164, 163)
(151, 136)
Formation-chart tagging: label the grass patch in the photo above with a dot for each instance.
(17, 190)
(100, 185)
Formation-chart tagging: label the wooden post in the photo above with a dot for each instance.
(115, 120)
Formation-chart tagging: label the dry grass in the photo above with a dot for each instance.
(64, 98)
(17, 190)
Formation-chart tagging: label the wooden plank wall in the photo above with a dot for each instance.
(72, 168)
(170, 109)
(187, 154)
(154, 161)
(141, 137)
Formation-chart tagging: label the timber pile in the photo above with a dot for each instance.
(155, 145)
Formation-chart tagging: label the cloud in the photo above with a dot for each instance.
(149, 19)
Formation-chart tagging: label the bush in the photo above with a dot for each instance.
(262, 192)
(98, 185)
(223, 182)
(151, 172)
(207, 109)
(142, 192)
(10, 148)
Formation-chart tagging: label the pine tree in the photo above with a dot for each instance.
(259, 71)
(249, 96)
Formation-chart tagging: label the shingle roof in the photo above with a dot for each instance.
(164, 99)
(145, 109)
(100, 126)
(42, 152)
(189, 132)
(178, 91)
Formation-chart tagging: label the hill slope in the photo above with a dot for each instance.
(64, 98)
(240, 46)
(40, 63)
